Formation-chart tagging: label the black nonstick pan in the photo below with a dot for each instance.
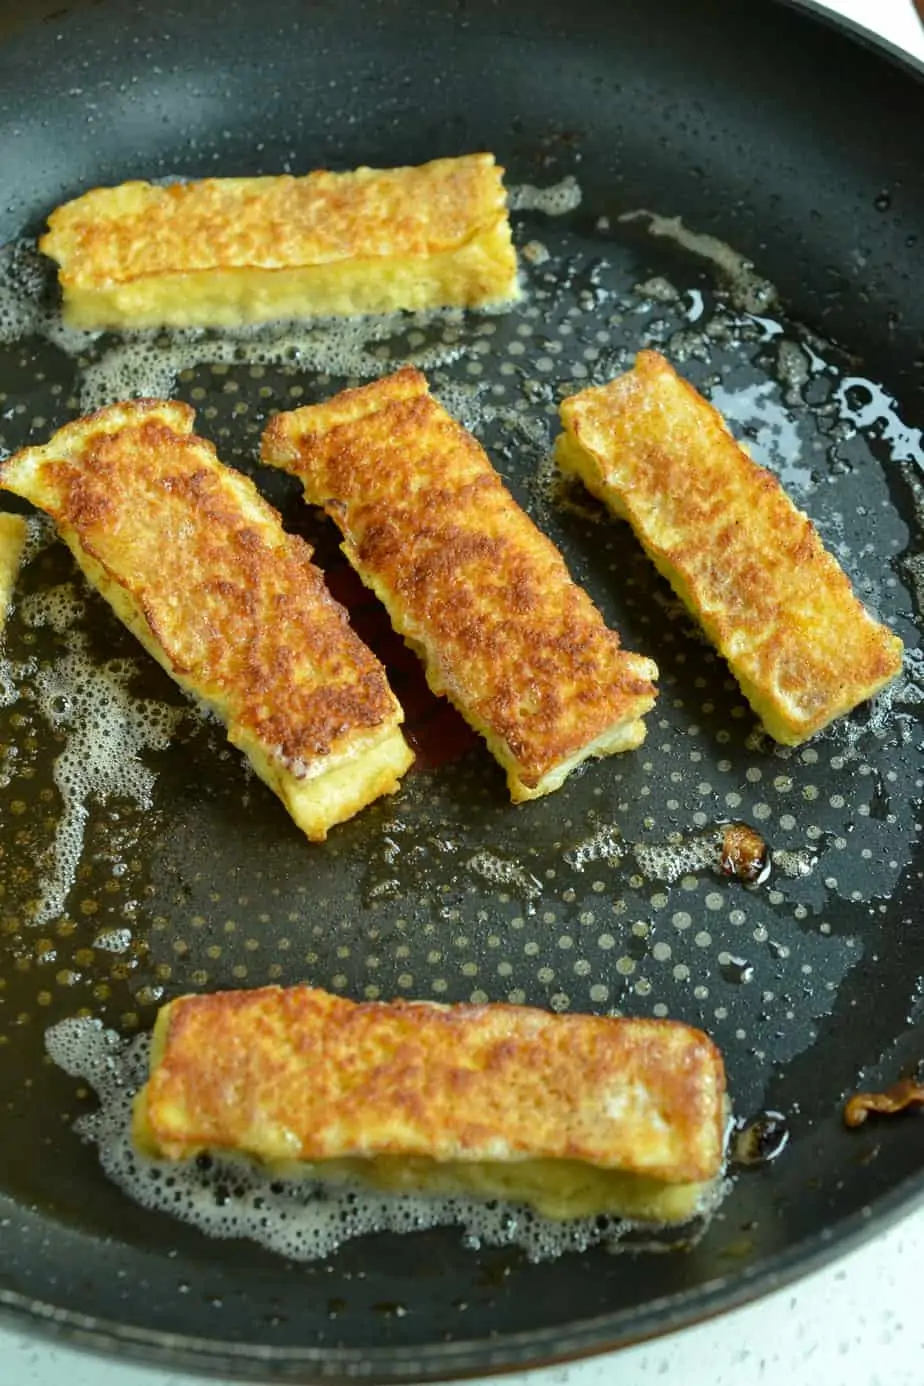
(751, 203)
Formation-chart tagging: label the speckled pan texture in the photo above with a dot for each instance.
(139, 860)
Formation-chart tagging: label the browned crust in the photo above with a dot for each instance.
(467, 577)
(233, 602)
(139, 230)
(748, 563)
(240, 1069)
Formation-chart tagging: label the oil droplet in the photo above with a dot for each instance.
(390, 1310)
(883, 202)
(761, 1140)
(736, 970)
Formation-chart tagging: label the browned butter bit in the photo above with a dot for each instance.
(761, 1140)
(907, 1092)
(744, 854)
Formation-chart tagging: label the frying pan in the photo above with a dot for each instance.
(797, 145)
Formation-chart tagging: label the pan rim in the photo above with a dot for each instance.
(823, 14)
(529, 1349)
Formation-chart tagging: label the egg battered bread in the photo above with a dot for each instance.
(574, 1114)
(467, 579)
(228, 251)
(744, 560)
(199, 568)
(12, 543)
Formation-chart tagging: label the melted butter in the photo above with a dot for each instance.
(756, 412)
(148, 364)
(749, 291)
(555, 201)
(501, 871)
(734, 850)
(864, 404)
(105, 731)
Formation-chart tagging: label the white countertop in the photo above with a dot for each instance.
(860, 1322)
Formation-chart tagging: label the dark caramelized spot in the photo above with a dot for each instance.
(745, 855)
(900, 1097)
(761, 1140)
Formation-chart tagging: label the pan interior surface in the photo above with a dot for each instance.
(762, 235)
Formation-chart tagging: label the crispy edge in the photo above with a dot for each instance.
(13, 532)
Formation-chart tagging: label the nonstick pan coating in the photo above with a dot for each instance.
(799, 148)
